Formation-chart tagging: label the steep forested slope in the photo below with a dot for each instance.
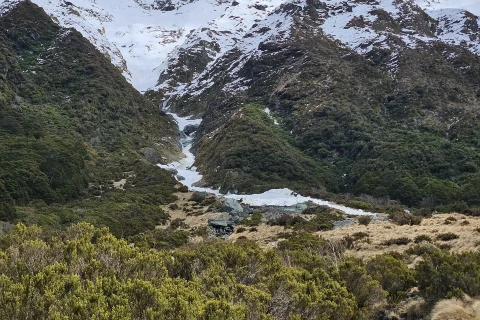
(70, 123)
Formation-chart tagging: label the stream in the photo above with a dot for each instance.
(189, 176)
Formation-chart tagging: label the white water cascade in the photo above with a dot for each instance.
(188, 176)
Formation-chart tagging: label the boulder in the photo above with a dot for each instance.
(172, 170)
(151, 155)
(232, 206)
(189, 129)
(247, 211)
(221, 223)
(198, 196)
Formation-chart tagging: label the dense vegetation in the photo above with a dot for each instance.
(70, 125)
(84, 273)
(407, 132)
(254, 154)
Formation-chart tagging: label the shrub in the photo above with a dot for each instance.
(160, 239)
(444, 246)
(253, 221)
(403, 218)
(349, 242)
(360, 205)
(398, 241)
(473, 211)
(323, 221)
(286, 221)
(177, 223)
(317, 210)
(202, 231)
(447, 236)
(422, 238)
(241, 229)
(365, 220)
(173, 206)
(393, 274)
(449, 220)
(424, 212)
(421, 249)
(183, 189)
(359, 235)
(440, 274)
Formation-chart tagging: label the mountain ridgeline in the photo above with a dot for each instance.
(392, 116)
(70, 125)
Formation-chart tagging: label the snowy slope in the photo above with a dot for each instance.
(223, 33)
(143, 40)
(135, 37)
(388, 25)
(469, 5)
(152, 39)
(273, 27)
(455, 27)
(380, 24)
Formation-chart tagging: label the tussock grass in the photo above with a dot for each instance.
(457, 309)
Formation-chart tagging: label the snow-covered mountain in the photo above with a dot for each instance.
(169, 44)
(370, 28)
(141, 36)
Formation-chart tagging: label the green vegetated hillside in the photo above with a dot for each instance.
(408, 132)
(70, 125)
(254, 154)
(87, 273)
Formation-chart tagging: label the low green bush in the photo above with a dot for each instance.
(365, 220)
(422, 238)
(447, 236)
(397, 241)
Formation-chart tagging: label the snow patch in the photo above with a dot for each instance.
(275, 197)
(352, 24)
(286, 197)
(185, 167)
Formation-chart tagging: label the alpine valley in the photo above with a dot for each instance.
(133, 133)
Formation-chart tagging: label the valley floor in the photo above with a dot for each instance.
(378, 237)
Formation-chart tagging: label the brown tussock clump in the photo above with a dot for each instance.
(457, 309)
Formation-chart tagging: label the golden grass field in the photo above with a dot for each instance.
(194, 215)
